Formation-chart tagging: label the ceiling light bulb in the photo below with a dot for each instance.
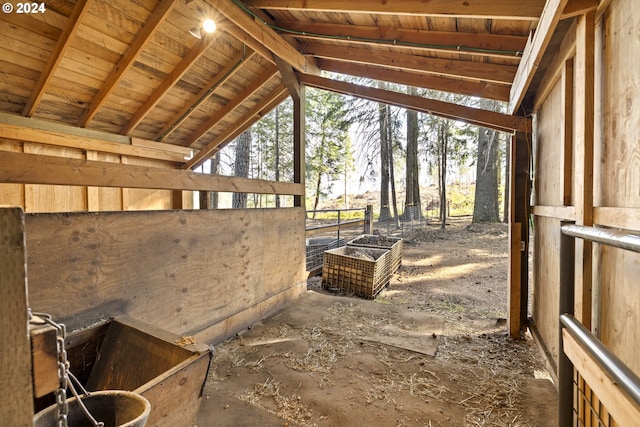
(209, 26)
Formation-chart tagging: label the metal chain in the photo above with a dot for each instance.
(64, 375)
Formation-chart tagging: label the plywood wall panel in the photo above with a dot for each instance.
(618, 180)
(180, 270)
(549, 150)
(620, 302)
(546, 274)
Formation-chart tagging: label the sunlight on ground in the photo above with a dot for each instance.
(457, 271)
(427, 262)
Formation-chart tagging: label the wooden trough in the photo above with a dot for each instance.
(126, 354)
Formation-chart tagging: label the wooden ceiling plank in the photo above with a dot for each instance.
(158, 16)
(269, 102)
(410, 78)
(475, 116)
(265, 36)
(64, 41)
(192, 105)
(39, 169)
(248, 91)
(489, 9)
(465, 69)
(183, 66)
(534, 51)
(494, 45)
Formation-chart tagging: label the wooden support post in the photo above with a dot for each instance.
(519, 214)
(565, 306)
(16, 405)
(584, 131)
(299, 160)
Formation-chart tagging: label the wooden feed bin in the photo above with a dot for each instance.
(393, 244)
(345, 270)
(126, 354)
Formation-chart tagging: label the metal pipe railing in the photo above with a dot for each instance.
(611, 237)
(620, 373)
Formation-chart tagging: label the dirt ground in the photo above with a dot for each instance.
(430, 350)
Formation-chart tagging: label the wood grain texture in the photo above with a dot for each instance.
(16, 406)
(179, 270)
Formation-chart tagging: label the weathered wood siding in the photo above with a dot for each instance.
(562, 191)
(60, 198)
(202, 273)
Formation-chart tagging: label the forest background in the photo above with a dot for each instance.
(408, 165)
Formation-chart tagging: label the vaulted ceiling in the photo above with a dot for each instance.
(146, 69)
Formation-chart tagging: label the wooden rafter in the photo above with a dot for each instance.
(464, 69)
(225, 74)
(259, 110)
(498, 9)
(64, 41)
(534, 51)
(495, 45)
(248, 91)
(487, 90)
(474, 116)
(266, 36)
(142, 39)
(183, 66)
(39, 169)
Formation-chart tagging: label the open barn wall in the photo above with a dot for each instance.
(586, 154)
(201, 273)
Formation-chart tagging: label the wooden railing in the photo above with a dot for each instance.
(595, 388)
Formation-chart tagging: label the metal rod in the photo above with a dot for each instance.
(565, 306)
(336, 210)
(619, 372)
(612, 237)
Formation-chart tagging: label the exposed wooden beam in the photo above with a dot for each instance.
(268, 103)
(289, 78)
(579, 7)
(247, 40)
(496, 45)
(183, 66)
(64, 41)
(487, 90)
(448, 110)
(490, 9)
(265, 36)
(192, 105)
(464, 69)
(139, 43)
(534, 51)
(37, 169)
(157, 151)
(248, 91)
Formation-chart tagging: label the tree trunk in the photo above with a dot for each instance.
(392, 175)
(243, 148)
(384, 164)
(444, 141)
(277, 153)
(215, 170)
(317, 200)
(412, 206)
(486, 207)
